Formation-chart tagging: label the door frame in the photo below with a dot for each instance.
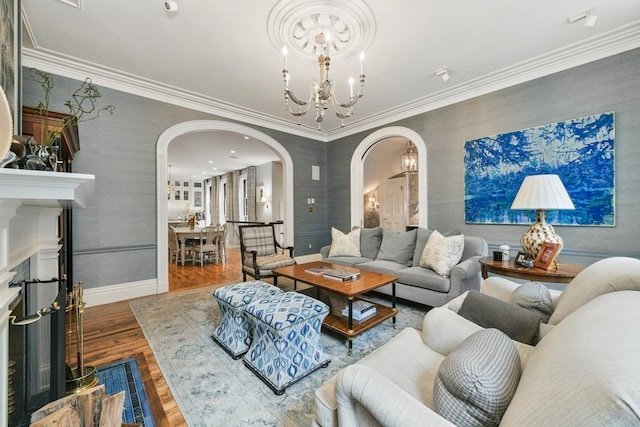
(357, 171)
(161, 183)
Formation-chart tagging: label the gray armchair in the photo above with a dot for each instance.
(259, 252)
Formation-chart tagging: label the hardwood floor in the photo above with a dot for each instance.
(112, 333)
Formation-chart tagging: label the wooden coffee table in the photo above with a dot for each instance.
(351, 289)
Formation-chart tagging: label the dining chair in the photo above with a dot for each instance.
(174, 246)
(222, 242)
(208, 244)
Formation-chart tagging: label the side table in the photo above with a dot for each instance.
(564, 272)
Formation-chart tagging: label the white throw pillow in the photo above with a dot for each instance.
(345, 244)
(441, 253)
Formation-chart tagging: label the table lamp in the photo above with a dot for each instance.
(541, 193)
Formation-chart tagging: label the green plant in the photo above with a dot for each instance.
(82, 106)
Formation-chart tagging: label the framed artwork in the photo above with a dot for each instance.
(10, 58)
(580, 151)
(547, 255)
(520, 258)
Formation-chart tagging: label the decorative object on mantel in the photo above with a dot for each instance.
(46, 145)
(540, 193)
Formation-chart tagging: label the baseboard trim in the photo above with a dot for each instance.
(120, 292)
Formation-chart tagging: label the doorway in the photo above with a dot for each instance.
(357, 171)
(161, 175)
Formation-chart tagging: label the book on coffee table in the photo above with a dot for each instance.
(360, 310)
(317, 270)
(340, 274)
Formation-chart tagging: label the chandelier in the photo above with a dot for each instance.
(322, 91)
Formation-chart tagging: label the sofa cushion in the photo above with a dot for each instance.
(601, 277)
(345, 244)
(518, 323)
(349, 261)
(533, 296)
(424, 278)
(475, 383)
(370, 240)
(397, 246)
(586, 370)
(383, 266)
(441, 253)
(422, 235)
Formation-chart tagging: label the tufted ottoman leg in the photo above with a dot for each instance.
(286, 343)
(235, 330)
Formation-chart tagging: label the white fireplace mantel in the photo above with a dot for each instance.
(30, 205)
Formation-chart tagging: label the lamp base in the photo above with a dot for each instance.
(538, 233)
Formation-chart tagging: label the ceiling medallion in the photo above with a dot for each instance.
(294, 25)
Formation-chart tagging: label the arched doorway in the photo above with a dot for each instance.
(161, 183)
(357, 211)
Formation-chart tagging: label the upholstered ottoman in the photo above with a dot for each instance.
(286, 343)
(235, 330)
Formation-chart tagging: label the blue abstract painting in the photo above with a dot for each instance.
(580, 151)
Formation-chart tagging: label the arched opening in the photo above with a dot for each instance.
(357, 163)
(161, 183)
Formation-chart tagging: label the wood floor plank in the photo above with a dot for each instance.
(111, 332)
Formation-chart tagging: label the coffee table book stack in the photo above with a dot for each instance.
(361, 310)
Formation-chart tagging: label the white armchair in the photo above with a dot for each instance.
(394, 385)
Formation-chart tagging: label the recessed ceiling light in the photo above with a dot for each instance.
(210, 161)
(233, 151)
(246, 137)
(215, 169)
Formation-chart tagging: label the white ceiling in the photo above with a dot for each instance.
(219, 57)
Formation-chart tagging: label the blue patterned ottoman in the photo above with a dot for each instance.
(235, 329)
(286, 343)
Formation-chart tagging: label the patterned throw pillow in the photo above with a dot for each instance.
(533, 296)
(345, 244)
(441, 253)
(475, 383)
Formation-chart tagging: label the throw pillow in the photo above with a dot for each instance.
(344, 244)
(533, 296)
(518, 323)
(397, 246)
(441, 253)
(370, 240)
(421, 240)
(475, 383)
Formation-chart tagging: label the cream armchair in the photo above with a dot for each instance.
(573, 376)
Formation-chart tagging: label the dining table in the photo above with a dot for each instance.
(185, 233)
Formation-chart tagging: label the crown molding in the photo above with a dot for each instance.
(54, 62)
(610, 43)
(598, 47)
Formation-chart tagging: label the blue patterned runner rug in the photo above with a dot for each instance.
(125, 375)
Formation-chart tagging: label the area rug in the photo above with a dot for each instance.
(212, 389)
(124, 375)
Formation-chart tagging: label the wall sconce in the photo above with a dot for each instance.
(372, 200)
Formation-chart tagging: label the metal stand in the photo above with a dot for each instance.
(82, 377)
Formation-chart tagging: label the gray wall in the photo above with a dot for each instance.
(115, 238)
(612, 84)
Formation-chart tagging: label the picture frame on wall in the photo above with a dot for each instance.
(10, 67)
(547, 255)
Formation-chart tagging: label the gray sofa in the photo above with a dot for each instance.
(584, 371)
(400, 254)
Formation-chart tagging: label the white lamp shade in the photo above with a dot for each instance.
(542, 192)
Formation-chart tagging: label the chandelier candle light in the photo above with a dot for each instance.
(540, 193)
(322, 91)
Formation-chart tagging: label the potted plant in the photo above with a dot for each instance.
(82, 106)
(43, 153)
